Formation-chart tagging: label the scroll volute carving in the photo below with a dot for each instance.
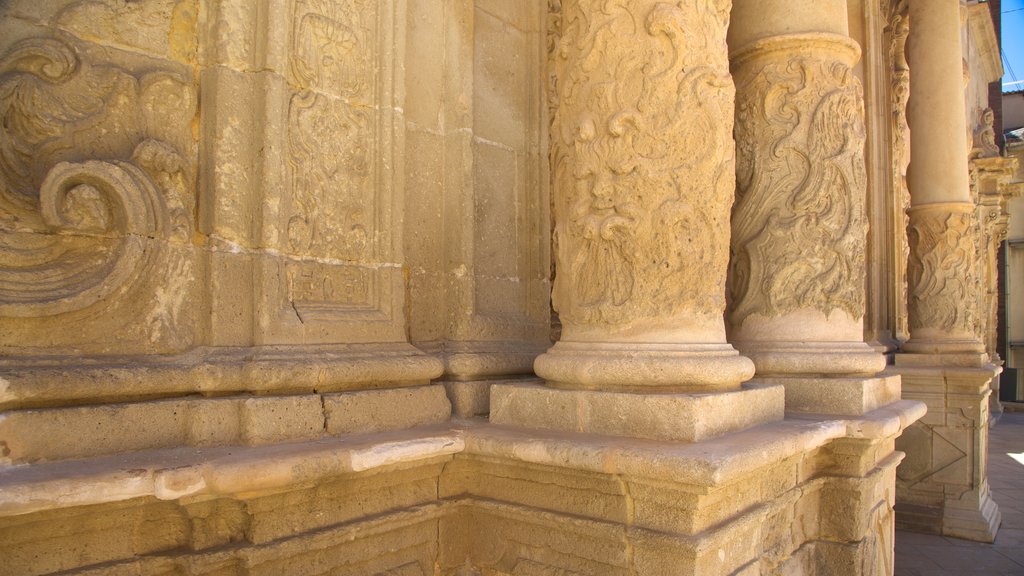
(984, 136)
(642, 158)
(799, 232)
(89, 199)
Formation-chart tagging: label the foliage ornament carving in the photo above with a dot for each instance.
(799, 232)
(76, 231)
(640, 217)
(332, 139)
(941, 269)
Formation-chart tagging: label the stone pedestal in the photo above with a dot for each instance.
(798, 229)
(942, 487)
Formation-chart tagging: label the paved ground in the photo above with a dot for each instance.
(920, 555)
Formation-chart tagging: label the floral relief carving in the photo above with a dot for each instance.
(329, 190)
(94, 185)
(329, 51)
(941, 270)
(639, 216)
(799, 232)
(331, 130)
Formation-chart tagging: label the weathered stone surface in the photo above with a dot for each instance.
(681, 417)
(380, 410)
(256, 254)
(643, 176)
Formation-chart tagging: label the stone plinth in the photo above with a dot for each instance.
(835, 395)
(679, 417)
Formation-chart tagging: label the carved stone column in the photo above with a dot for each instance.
(940, 273)
(642, 154)
(798, 227)
(942, 486)
(642, 160)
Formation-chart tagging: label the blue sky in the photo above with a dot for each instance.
(1013, 45)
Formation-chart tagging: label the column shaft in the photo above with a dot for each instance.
(935, 111)
(941, 268)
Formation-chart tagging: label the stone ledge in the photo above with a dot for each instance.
(479, 360)
(710, 463)
(679, 417)
(89, 431)
(232, 470)
(229, 470)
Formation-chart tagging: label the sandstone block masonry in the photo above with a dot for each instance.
(491, 287)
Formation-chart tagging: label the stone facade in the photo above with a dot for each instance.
(493, 287)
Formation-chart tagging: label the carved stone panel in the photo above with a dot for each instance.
(897, 30)
(328, 272)
(97, 178)
(941, 270)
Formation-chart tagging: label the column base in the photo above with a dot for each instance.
(975, 516)
(787, 359)
(642, 367)
(676, 417)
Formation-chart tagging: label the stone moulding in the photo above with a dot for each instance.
(39, 381)
(800, 178)
(648, 367)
